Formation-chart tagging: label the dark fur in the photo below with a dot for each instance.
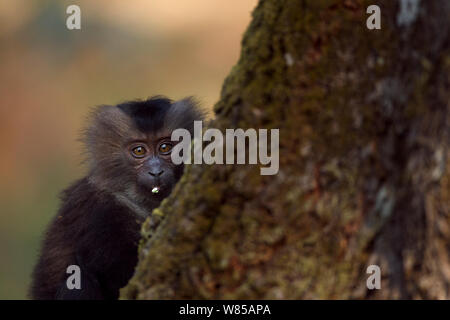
(95, 228)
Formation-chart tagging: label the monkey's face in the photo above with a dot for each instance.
(155, 172)
(129, 148)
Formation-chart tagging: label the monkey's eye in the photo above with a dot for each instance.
(165, 148)
(139, 151)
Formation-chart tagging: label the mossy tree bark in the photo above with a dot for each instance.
(364, 172)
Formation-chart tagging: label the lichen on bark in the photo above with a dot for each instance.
(364, 170)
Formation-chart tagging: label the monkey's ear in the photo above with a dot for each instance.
(183, 113)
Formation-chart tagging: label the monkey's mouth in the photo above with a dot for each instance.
(156, 189)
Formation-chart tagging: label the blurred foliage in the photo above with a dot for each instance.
(50, 77)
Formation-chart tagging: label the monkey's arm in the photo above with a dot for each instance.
(66, 235)
(94, 233)
(90, 289)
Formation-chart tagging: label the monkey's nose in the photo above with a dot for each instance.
(156, 173)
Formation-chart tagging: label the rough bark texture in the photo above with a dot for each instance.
(364, 164)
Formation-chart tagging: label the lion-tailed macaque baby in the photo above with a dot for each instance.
(97, 227)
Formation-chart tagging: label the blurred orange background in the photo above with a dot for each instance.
(50, 76)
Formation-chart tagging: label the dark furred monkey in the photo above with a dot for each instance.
(130, 171)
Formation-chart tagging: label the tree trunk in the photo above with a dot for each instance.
(364, 164)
